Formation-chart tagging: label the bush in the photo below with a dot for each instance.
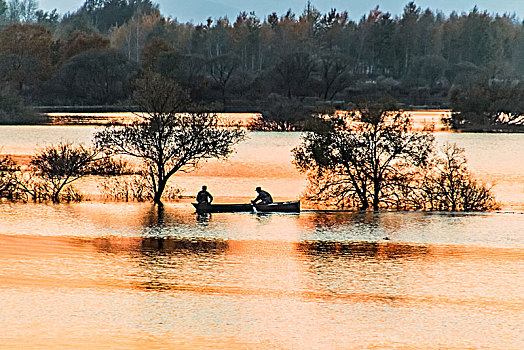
(13, 111)
(134, 188)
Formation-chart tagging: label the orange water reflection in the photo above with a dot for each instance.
(420, 119)
(133, 276)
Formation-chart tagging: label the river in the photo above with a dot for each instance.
(100, 275)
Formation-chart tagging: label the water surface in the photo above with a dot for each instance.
(116, 275)
(101, 275)
(265, 160)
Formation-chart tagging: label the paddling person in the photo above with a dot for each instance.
(263, 197)
(204, 197)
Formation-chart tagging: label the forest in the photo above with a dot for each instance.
(470, 62)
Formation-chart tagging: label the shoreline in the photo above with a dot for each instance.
(103, 116)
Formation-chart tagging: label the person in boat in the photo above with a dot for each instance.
(263, 197)
(204, 197)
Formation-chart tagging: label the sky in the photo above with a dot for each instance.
(198, 10)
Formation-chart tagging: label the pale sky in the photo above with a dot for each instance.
(198, 10)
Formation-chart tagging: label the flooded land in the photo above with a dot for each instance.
(98, 275)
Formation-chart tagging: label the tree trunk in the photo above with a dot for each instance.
(55, 198)
(157, 199)
(376, 196)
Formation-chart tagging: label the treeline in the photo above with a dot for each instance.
(421, 58)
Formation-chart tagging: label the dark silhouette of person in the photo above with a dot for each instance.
(204, 197)
(263, 197)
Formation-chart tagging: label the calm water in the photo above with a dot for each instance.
(265, 160)
(127, 276)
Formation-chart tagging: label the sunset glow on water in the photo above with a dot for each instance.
(98, 275)
(124, 275)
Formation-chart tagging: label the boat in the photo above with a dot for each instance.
(222, 208)
(278, 207)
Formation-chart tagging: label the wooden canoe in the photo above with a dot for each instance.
(222, 208)
(279, 207)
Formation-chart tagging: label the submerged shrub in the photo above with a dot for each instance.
(449, 185)
(134, 188)
(59, 165)
(109, 166)
(8, 186)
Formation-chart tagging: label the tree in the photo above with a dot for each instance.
(356, 160)
(408, 33)
(82, 42)
(186, 70)
(486, 105)
(94, 76)
(294, 72)
(24, 54)
(48, 19)
(61, 165)
(152, 51)
(107, 14)
(24, 11)
(282, 114)
(3, 10)
(131, 37)
(333, 75)
(449, 185)
(170, 137)
(14, 111)
(221, 69)
(7, 179)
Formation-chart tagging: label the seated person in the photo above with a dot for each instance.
(263, 197)
(204, 197)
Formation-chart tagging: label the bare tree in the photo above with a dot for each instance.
(294, 72)
(449, 185)
(60, 165)
(356, 160)
(169, 137)
(8, 167)
(221, 69)
(282, 114)
(333, 71)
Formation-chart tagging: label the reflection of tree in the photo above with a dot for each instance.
(330, 219)
(359, 250)
(164, 262)
(154, 216)
(362, 270)
(159, 246)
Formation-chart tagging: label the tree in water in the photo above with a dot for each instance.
(357, 160)
(449, 185)
(58, 166)
(170, 135)
(8, 167)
